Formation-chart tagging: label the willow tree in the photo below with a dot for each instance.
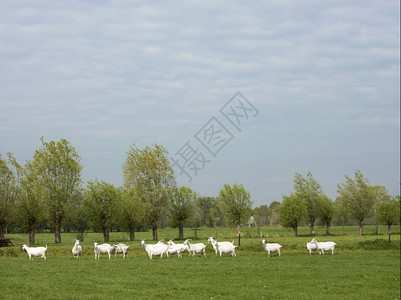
(310, 191)
(181, 207)
(132, 211)
(57, 169)
(30, 210)
(328, 211)
(356, 197)
(291, 212)
(388, 213)
(10, 172)
(101, 200)
(235, 202)
(205, 207)
(148, 171)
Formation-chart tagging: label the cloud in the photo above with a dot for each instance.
(321, 73)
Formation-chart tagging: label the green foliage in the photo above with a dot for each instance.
(56, 169)
(262, 215)
(356, 198)
(206, 208)
(149, 173)
(235, 202)
(181, 207)
(291, 212)
(388, 212)
(328, 210)
(31, 207)
(9, 183)
(101, 202)
(310, 191)
(131, 210)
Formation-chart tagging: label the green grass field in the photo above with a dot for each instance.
(362, 268)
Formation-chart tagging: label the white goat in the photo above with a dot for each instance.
(35, 251)
(311, 247)
(214, 243)
(176, 248)
(196, 248)
(77, 249)
(324, 246)
(271, 247)
(223, 247)
(101, 249)
(120, 248)
(155, 249)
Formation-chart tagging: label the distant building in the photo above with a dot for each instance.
(251, 222)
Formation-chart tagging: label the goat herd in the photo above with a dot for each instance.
(172, 248)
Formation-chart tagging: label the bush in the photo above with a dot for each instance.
(379, 244)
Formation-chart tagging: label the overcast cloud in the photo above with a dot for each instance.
(323, 75)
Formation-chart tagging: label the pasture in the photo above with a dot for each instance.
(364, 267)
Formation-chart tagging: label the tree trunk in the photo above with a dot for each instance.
(132, 233)
(238, 228)
(360, 227)
(181, 232)
(295, 230)
(2, 230)
(57, 234)
(389, 232)
(106, 234)
(81, 235)
(154, 232)
(312, 229)
(328, 225)
(31, 235)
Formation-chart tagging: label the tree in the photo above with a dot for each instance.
(262, 215)
(388, 213)
(57, 168)
(307, 189)
(356, 198)
(181, 207)
(9, 184)
(206, 207)
(291, 212)
(379, 194)
(149, 173)
(78, 217)
(327, 212)
(235, 203)
(101, 200)
(273, 213)
(30, 206)
(132, 211)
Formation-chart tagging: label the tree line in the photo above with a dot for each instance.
(48, 193)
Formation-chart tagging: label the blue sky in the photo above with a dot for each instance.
(323, 78)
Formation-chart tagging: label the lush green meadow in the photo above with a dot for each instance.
(364, 267)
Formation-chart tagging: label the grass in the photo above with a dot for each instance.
(360, 269)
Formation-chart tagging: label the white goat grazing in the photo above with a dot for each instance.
(35, 251)
(77, 249)
(103, 248)
(271, 247)
(120, 248)
(311, 247)
(223, 247)
(176, 248)
(196, 248)
(324, 246)
(155, 249)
